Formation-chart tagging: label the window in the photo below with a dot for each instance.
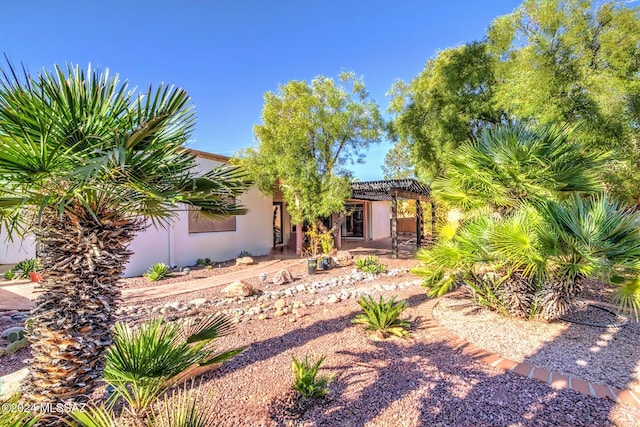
(199, 224)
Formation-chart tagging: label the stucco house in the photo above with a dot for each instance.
(266, 226)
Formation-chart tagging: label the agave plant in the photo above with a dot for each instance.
(24, 267)
(143, 363)
(157, 272)
(383, 317)
(370, 264)
(85, 162)
(541, 240)
(305, 377)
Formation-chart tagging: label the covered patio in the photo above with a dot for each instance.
(392, 190)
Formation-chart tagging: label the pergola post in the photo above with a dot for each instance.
(394, 225)
(365, 222)
(419, 224)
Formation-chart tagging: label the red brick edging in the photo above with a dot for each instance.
(554, 379)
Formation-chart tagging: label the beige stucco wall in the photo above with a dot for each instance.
(380, 224)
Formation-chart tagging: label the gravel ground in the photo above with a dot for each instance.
(601, 355)
(196, 272)
(413, 382)
(419, 381)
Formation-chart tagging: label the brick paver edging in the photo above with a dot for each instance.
(554, 379)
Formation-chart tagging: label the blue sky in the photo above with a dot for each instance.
(227, 54)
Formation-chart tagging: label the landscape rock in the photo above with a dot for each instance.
(240, 289)
(280, 304)
(245, 260)
(343, 258)
(282, 277)
(198, 303)
(333, 299)
(11, 383)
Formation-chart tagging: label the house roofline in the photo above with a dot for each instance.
(209, 156)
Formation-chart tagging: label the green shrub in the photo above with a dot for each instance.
(24, 267)
(244, 254)
(305, 377)
(180, 408)
(203, 261)
(9, 275)
(383, 316)
(158, 271)
(370, 264)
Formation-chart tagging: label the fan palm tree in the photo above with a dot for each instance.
(85, 164)
(535, 226)
(512, 164)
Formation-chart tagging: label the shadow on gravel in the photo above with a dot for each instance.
(438, 386)
(298, 337)
(614, 367)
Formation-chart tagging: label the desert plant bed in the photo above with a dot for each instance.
(413, 381)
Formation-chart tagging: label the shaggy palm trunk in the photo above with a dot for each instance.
(559, 296)
(83, 260)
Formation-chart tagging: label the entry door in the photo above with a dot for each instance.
(278, 237)
(354, 223)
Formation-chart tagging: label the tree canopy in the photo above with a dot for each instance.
(310, 133)
(573, 62)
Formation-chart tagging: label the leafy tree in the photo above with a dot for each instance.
(309, 135)
(575, 62)
(550, 61)
(84, 162)
(398, 163)
(528, 239)
(448, 103)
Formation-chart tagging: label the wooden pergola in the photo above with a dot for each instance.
(392, 190)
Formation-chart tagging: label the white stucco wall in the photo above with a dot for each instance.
(380, 223)
(177, 247)
(17, 249)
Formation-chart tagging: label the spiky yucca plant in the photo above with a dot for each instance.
(179, 408)
(382, 316)
(17, 418)
(84, 163)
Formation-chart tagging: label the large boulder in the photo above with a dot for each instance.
(282, 277)
(240, 289)
(245, 260)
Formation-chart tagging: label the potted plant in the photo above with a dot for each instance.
(312, 250)
(326, 242)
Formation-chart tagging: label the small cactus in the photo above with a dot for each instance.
(15, 346)
(16, 336)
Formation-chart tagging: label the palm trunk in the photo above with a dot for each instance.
(83, 260)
